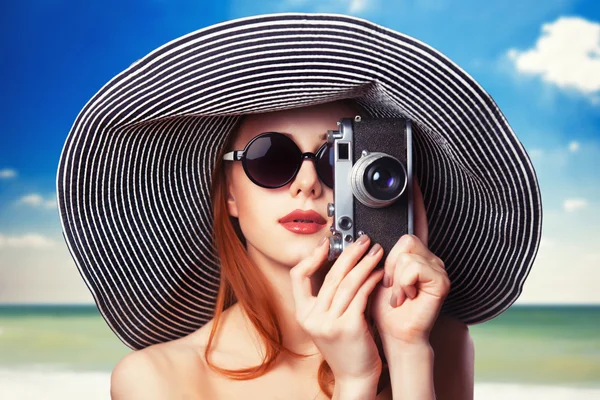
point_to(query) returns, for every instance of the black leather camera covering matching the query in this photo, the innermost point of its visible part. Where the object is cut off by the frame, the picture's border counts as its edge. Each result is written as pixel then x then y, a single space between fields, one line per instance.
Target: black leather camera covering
pixel 383 225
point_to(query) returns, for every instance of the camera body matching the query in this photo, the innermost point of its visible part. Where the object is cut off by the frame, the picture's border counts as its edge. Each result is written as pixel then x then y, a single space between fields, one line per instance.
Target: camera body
pixel 373 190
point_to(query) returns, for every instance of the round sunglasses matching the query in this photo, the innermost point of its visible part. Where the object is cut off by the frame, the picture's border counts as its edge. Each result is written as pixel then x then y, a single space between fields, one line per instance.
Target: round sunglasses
pixel 272 160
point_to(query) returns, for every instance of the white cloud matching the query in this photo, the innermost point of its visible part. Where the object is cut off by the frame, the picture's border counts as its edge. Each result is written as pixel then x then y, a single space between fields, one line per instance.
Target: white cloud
pixel 357 6
pixel 564 272
pixel 7 173
pixel 536 153
pixel 28 241
pixel 581 155
pixel 35 200
pixel 567 54
pixel 574 146
pixel 42 276
pixel 50 204
pixel 571 205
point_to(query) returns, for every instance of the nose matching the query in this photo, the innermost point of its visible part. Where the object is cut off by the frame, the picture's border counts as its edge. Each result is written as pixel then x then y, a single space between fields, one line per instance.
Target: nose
pixel 307 181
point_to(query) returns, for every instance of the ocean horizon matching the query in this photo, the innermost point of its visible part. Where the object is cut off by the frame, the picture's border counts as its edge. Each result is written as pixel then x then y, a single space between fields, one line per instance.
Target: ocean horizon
pixel 527 344
pixel 67 351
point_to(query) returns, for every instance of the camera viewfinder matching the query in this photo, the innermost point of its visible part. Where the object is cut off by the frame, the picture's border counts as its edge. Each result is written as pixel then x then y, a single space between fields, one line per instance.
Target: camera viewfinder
pixel 343 151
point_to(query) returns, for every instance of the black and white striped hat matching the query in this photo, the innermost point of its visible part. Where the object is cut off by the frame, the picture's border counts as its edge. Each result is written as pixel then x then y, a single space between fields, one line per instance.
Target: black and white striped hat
pixel 133 181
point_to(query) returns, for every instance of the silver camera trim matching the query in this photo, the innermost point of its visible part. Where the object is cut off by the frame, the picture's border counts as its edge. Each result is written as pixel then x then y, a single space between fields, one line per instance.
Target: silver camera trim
pixel 342 232
pixel 409 177
pixel 343 205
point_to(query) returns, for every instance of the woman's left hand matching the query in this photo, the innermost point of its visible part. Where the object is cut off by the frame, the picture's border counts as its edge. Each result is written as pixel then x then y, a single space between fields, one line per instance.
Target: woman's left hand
pixel 407 303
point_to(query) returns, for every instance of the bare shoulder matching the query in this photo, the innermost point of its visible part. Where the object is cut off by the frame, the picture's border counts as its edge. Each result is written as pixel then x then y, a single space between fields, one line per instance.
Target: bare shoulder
pixel 454 360
pixel 135 377
pixel 154 372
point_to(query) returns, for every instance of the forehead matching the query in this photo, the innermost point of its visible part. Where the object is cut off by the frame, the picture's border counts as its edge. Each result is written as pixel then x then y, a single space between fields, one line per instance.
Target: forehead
pixel 305 123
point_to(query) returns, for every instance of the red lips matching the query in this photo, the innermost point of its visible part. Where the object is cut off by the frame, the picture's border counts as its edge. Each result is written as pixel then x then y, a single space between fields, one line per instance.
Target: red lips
pixel 304 216
pixel 303 222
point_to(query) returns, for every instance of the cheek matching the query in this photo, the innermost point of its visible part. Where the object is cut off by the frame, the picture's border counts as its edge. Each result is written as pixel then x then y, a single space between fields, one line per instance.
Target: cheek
pixel 257 216
pixel 253 204
pixel 241 186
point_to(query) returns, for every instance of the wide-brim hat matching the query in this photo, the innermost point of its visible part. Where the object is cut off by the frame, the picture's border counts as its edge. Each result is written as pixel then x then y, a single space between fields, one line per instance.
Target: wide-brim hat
pixel 134 176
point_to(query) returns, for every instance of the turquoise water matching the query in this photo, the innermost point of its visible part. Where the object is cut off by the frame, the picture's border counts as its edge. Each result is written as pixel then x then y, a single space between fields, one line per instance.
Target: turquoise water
pixel 526 344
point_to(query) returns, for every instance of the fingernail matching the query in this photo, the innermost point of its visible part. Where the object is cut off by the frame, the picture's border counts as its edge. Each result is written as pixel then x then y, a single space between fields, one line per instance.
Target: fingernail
pixel 323 239
pixel 374 249
pixel 362 239
pixel 386 280
pixel 393 300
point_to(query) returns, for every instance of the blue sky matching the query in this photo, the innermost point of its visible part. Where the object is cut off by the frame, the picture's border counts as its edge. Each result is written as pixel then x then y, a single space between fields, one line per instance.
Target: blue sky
pixel 57 54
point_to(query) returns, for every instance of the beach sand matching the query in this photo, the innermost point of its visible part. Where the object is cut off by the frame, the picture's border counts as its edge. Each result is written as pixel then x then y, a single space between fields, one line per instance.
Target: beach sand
pixel 66 385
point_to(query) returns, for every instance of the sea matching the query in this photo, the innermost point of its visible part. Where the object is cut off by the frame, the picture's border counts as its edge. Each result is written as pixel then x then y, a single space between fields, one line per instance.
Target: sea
pixel 528 352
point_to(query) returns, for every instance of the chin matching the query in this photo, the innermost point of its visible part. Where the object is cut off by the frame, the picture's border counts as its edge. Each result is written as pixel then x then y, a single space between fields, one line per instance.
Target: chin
pixel 292 255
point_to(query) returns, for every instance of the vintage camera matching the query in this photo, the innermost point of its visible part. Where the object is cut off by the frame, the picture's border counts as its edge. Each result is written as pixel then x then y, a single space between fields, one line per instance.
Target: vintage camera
pixel 373 191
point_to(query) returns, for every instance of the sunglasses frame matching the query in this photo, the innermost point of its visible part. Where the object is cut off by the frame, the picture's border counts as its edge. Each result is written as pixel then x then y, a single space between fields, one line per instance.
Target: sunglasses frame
pixel 240 155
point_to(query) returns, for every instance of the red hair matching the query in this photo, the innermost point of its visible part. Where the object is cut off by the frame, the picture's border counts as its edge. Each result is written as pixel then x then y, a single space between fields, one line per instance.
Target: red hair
pixel 243 282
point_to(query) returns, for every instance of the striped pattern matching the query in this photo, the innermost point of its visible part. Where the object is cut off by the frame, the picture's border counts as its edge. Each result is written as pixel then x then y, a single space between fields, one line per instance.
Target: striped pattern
pixel 133 181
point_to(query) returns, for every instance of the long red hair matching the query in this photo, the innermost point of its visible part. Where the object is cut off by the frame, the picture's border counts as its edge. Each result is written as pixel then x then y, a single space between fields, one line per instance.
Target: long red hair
pixel 243 282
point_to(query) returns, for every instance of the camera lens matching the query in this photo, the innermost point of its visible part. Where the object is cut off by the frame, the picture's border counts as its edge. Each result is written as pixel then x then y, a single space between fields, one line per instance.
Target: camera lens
pixel 382 178
pixel 378 179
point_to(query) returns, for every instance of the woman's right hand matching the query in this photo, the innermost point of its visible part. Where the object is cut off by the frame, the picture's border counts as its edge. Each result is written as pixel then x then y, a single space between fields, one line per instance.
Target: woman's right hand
pixel 335 317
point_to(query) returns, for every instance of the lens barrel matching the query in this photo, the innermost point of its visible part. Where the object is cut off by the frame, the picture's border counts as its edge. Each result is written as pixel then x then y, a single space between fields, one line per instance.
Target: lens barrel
pixel 378 179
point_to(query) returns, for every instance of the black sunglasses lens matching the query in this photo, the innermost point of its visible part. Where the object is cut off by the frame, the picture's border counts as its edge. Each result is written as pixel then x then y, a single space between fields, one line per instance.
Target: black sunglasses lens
pixel 325 165
pixel 272 160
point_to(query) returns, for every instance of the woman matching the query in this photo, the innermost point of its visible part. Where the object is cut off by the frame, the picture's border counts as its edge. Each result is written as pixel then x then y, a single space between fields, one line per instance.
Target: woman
pixel 179 368
pixel 134 192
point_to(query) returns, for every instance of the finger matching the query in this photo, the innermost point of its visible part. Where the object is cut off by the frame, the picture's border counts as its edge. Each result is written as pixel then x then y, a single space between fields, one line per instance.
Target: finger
pixel 300 274
pixel 399 293
pixel 404 285
pixel 405 259
pixel 421 231
pixel 412 244
pixel 345 262
pixel 359 302
pixel 406 244
pixel 402 245
pixel 417 276
pixel 353 281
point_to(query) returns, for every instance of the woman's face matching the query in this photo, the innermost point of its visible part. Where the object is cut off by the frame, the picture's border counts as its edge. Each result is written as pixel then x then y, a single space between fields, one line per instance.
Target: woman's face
pixel 260 211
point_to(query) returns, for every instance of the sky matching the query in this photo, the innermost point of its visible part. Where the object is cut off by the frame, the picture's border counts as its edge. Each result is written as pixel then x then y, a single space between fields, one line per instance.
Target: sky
pixel 540 61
